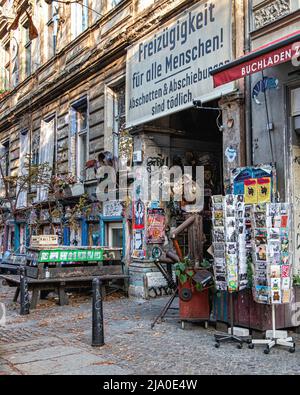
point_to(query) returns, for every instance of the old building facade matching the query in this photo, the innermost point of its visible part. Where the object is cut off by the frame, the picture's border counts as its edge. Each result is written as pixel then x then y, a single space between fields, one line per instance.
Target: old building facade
pixel 63 102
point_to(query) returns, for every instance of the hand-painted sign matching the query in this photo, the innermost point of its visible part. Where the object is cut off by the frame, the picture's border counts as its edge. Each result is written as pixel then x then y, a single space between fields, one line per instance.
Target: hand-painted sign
pixel 70 256
pixel 44 240
pixel 171 67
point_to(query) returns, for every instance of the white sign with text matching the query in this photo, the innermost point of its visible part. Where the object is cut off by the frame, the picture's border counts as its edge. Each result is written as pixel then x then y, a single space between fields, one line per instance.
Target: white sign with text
pixel 171 67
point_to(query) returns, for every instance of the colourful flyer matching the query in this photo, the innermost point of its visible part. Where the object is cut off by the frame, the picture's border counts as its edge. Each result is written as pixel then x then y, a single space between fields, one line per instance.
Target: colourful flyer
pixel 264 190
pixel 251 191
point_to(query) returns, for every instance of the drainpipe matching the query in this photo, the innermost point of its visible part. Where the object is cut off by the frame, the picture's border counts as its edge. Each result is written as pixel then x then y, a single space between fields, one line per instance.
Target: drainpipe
pixel 248 96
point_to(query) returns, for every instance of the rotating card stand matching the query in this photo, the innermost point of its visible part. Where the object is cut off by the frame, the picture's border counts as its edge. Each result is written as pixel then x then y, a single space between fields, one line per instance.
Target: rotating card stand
pixel 275 340
pixel 231 337
pixel 279 212
pixel 226 219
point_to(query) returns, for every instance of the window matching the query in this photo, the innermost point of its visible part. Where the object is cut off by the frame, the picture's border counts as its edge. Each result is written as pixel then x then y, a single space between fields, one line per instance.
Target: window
pixel 93 234
pixel 114 235
pixel 79 139
pixel 79 17
pixel 6 167
pixel 53 17
pixel 15 77
pixel 112 4
pixel 46 152
pixel 114 116
pixel 6 69
pixel 27 46
pixel 143 4
pixel 23 169
pixel 35 148
pixel 4 163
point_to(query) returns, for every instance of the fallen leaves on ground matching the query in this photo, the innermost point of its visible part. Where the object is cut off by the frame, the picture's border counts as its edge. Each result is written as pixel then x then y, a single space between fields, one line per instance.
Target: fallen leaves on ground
pixel 104 363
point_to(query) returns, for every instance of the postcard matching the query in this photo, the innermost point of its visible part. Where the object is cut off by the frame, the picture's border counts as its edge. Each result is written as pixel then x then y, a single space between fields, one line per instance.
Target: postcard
pixel 275 271
pixel 286 296
pixel 276 296
pixel 273 247
pixel 275 284
pixel 231 248
pixel 286 283
pixel 262 293
pixel 219 247
pixel 276 221
pixel 217 199
pixel 231 235
pixel 218 214
pixel 260 220
pixel 274 233
pixel 218 222
pixel 230 200
pixel 284 221
pixel 218 207
pixel 261 252
pixel 219 254
pixel 219 234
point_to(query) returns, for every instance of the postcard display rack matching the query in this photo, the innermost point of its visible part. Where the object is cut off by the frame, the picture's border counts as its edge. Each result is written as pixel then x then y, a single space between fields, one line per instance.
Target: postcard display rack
pixel 272 265
pixel 231 247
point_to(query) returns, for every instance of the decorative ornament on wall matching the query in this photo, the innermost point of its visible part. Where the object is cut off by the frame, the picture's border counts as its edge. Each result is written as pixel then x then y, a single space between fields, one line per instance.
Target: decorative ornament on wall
pixel 270 12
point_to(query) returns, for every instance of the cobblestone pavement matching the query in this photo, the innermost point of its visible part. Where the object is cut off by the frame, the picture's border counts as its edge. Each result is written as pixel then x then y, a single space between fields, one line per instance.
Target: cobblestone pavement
pixel 57 340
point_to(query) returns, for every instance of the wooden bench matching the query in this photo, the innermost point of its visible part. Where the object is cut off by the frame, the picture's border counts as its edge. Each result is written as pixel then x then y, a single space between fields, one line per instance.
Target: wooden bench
pixel 58 284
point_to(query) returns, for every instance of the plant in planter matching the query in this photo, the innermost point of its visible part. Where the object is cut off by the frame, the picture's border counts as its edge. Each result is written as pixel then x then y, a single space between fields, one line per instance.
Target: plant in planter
pixel 186 272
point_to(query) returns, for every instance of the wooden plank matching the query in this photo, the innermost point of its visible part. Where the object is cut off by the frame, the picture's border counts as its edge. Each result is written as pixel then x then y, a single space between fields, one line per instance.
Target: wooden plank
pixel 14 279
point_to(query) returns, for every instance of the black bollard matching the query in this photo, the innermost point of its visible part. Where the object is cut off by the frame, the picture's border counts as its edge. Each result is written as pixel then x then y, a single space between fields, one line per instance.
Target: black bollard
pixel 98 326
pixel 24 294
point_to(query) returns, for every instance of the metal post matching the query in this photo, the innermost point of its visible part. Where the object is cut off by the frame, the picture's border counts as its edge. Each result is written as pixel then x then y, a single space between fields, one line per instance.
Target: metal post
pixel 97 315
pixel 24 294
pixel 231 313
pixel 273 321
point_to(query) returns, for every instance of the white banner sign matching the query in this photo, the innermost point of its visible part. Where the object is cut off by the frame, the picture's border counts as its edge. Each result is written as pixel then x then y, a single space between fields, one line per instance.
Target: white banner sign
pixel 171 67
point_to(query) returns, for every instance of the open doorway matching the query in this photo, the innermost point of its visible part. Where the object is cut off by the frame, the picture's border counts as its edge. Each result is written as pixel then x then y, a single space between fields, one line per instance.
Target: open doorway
pixel 199 144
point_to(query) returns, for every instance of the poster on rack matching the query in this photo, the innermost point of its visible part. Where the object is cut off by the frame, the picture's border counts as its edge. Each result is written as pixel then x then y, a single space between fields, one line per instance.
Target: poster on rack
pixel 271 253
pixel 155 226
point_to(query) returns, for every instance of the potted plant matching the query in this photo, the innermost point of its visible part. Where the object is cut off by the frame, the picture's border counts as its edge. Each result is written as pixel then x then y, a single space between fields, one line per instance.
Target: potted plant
pixel 185 271
pixel 194 284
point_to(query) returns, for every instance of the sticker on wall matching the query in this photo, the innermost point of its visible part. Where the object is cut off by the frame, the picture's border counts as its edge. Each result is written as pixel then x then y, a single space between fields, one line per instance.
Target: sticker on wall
pixel 138 215
pixel 262 86
pixel 138 250
pixel 155 226
pixel 231 154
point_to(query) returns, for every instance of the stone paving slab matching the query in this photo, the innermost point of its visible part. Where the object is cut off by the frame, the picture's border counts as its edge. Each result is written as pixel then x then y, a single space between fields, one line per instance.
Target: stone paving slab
pixel 94 370
pixel 61 364
pixel 41 354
